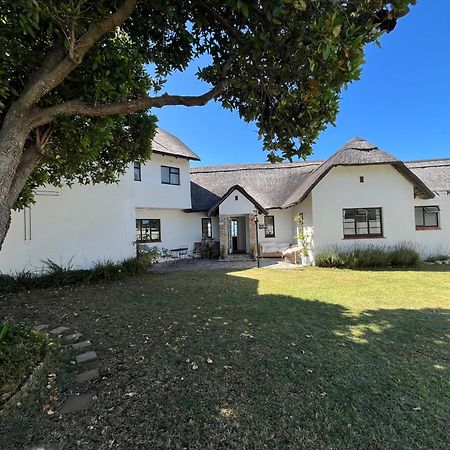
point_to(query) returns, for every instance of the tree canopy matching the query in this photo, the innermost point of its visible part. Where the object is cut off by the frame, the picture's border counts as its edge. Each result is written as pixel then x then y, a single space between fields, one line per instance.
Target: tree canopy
pixel 73 75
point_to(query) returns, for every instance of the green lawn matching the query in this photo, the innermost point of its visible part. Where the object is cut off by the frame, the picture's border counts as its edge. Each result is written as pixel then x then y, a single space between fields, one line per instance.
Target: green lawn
pixel 315 358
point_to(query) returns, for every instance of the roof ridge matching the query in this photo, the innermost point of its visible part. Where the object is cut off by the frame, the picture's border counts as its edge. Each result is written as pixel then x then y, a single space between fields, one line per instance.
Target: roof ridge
pixel 426 160
pixel 256 166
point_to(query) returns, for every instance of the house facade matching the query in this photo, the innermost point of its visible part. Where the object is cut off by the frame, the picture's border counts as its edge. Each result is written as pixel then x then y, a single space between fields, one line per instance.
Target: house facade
pixel 361 195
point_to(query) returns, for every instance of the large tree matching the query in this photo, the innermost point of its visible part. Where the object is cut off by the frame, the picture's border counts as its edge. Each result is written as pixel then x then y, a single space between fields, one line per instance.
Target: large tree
pixel 77 77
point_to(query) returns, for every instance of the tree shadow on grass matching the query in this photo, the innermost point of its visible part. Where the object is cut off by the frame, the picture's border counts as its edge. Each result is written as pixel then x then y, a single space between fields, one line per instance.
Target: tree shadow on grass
pixel 215 364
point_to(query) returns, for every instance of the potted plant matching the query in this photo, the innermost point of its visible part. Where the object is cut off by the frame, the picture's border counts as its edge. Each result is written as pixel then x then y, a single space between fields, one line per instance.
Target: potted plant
pixel 253 251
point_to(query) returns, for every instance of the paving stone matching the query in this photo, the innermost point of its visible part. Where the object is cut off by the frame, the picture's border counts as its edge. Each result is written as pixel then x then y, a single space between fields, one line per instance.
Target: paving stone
pixel 59 330
pixel 86 357
pixel 76 403
pixel 42 327
pixel 73 337
pixel 89 375
pixel 53 446
pixel 82 344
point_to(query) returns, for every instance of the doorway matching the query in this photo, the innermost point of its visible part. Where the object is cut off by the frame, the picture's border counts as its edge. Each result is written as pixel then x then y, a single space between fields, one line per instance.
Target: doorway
pixel 237 233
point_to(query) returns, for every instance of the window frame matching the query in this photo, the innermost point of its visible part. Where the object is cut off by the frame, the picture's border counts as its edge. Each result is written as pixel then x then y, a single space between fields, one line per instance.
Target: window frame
pixel 172 171
pixel 137 166
pixel 368 235
pixel 428 227
pixel 139 233
pixel 273 226
pixel 209 230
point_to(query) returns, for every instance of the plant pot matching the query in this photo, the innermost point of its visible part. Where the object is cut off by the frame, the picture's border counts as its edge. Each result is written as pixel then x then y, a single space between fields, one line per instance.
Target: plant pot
pixel 306 261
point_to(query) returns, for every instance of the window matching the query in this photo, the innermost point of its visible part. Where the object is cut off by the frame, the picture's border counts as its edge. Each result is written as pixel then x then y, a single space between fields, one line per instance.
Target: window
pixel 427 217
pixel 148 230
pixel 170 175
pixel 362 223
pixel 269 226
pixel 206 227
pixel 137 171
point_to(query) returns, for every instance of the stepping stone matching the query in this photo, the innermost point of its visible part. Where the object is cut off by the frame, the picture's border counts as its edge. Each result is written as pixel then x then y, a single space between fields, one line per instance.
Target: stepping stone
pixel 89 375
pixel 73 337
pixel 59 330
pixel 86 357
pixel 49 447
pixel 40 328
pixel 82 344
pixel 76 403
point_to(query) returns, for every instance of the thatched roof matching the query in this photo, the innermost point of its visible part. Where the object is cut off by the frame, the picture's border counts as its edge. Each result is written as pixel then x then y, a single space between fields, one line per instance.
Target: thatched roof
pixel 283 185
pixel 435 173
pixel 266 183
pixel 355 152
pixel 165 143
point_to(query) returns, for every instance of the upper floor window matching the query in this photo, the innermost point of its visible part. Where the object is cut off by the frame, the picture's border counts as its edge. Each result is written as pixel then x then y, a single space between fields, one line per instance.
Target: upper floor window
pixel 269 226
pixel 148 230
pixel 170 175
pixel 427 217
pixel 362 223
pixel 137 171
pixel 206 227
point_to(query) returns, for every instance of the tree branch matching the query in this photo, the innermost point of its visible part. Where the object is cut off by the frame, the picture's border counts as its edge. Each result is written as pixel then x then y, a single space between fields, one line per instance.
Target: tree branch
pixel 52 78
pixel 232 31
pixel 78 107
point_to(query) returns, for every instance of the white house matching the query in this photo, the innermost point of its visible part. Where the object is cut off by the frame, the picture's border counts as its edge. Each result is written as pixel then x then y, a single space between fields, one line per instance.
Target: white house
pixel 359 196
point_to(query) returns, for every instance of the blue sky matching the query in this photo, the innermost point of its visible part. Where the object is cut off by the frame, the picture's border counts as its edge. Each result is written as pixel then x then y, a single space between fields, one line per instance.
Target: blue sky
pixel 401 103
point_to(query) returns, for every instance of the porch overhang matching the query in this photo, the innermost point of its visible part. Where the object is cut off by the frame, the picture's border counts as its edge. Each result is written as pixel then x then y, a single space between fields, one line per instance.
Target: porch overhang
pixel 213 210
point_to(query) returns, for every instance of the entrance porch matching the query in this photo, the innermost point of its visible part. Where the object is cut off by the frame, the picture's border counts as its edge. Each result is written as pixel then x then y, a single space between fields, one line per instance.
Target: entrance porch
pixel 237 234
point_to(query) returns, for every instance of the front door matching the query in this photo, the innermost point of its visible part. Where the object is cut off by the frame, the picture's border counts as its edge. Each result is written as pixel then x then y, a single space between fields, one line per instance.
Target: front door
pixel 237 235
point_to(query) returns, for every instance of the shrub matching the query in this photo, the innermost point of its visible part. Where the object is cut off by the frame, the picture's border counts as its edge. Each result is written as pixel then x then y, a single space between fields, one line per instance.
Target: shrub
pixel 402 255
pixel 55 275
pixel 329 258
pixel 438 257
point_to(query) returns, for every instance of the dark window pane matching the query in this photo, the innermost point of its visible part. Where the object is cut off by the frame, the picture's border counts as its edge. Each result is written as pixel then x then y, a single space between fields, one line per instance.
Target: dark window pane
pixel 170 175
pixel 362 222
pixel 269 222
pixel 206 228
pixel 137 171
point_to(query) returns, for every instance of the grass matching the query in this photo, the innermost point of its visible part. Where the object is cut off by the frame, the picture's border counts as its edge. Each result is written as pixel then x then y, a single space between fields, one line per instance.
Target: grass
pixel 315 358
pixel 21 350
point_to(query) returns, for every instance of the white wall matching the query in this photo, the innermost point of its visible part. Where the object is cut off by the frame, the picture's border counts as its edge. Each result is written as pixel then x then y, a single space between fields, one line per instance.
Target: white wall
pixel 284 233
pixel 81 225
pixel 178 229
pixel 434 242
pixel 231 206
pixel 383 187
pixel 150 192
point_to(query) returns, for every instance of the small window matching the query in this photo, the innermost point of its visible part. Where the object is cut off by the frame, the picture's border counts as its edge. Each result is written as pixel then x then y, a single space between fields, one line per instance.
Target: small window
pixel 206 227
pixel 148 230
pixel 362 223
pixel 236 197
pixel 361 179
pixel 427 217
pixel 170 175
pixel 269 226
pixel 137 171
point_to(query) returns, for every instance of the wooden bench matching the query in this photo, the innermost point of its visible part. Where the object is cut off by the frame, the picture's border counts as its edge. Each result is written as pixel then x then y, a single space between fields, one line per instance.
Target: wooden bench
pixel 179 253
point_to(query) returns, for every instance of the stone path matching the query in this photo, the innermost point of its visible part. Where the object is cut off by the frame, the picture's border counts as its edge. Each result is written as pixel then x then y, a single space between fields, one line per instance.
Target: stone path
pixel 79 401
pixel 214 264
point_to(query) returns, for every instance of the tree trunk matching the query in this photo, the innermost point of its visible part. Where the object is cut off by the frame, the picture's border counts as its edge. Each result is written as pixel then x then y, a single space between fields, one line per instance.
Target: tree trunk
pixel 13 136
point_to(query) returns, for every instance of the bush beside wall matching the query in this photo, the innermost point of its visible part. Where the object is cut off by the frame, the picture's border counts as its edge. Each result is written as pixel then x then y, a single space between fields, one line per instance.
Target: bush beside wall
pixel 402 255
pixel 56 275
